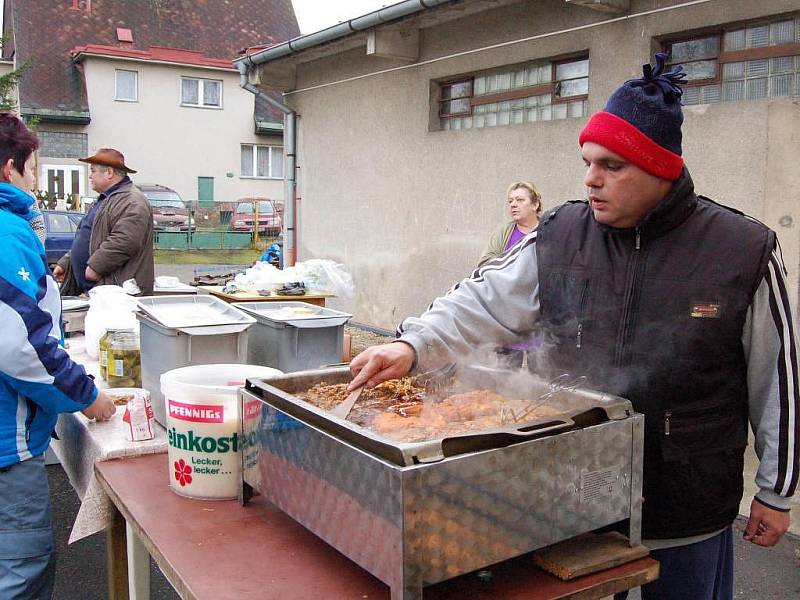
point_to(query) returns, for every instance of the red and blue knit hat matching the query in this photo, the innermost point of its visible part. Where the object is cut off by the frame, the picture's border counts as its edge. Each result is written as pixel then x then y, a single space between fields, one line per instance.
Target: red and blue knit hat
pixel 642 121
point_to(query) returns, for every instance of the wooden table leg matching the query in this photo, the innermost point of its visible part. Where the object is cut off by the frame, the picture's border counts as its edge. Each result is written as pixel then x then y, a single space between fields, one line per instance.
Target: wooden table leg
pixel 117 558
pixel 138 566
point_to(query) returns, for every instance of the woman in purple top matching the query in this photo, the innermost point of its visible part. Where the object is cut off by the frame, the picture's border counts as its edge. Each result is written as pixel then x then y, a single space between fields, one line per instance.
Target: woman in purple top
pixel 524 204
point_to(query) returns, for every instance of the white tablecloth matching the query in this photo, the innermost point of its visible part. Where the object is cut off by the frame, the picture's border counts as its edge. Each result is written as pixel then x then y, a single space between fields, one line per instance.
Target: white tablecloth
pixel 83 442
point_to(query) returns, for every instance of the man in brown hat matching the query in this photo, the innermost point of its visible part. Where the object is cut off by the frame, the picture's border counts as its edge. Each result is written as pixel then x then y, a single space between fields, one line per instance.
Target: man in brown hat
pixel 114 241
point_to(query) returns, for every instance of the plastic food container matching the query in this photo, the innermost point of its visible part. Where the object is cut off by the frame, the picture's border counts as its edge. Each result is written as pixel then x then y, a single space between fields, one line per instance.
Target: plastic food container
pixel 167 348
pixel 204 428
pixel 294 336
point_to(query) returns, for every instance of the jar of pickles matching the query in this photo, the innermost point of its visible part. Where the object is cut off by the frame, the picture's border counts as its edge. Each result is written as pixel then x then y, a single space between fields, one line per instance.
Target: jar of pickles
pixel 102 355
pixel 123 359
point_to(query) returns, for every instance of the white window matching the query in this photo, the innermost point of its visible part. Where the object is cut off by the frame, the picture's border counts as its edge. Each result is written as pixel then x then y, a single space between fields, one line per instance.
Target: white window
pixel 62 181
pixel 201 92
pixel 262 161
pixel 126 87
pixel 540 91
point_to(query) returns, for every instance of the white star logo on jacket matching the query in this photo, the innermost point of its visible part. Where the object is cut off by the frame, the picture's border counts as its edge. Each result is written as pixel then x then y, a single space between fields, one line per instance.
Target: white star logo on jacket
pixel 24 274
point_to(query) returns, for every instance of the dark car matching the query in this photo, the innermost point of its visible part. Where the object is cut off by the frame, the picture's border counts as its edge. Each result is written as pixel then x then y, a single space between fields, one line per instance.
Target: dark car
pixel 169 210
pixel 269 215
pixel 61 226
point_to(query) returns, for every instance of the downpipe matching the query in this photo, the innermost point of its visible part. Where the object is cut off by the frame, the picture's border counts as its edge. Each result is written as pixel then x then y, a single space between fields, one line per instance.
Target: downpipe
pixel 290 149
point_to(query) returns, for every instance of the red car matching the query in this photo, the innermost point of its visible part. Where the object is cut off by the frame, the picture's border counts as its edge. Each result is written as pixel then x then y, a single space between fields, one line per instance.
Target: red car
pixel 169 211
pixel 269 216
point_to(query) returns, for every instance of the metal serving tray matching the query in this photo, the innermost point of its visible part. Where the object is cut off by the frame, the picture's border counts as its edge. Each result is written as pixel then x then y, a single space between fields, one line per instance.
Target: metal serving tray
pixel 281 312
pixel 581 407
pixel 476 504
pixel 187 311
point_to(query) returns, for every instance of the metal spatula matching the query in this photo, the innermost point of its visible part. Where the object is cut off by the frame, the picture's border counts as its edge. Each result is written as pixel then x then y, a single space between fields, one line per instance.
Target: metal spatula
pixel 343 409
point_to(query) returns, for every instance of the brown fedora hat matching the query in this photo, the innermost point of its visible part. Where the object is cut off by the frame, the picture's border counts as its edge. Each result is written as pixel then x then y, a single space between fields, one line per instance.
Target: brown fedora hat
pixel 110 158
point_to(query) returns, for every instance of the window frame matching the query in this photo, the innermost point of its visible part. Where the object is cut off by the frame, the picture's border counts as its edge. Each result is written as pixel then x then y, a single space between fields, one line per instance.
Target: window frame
pixel 254 175
pixel 201 82
pixel 470 97
pixel 551 87
pixel 556 97
pixel 723 57
pixel 135 86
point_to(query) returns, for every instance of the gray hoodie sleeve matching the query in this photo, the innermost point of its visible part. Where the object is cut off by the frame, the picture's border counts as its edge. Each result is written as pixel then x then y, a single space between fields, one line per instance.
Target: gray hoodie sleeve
pixel 770 349
pixel 497 303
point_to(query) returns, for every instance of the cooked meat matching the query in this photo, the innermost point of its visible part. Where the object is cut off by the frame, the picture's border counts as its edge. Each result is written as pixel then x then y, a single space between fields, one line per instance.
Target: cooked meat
pixel 400 410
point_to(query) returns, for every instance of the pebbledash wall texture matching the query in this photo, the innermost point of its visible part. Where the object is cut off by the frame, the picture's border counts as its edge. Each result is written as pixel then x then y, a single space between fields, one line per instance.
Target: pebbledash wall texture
pixel 407 198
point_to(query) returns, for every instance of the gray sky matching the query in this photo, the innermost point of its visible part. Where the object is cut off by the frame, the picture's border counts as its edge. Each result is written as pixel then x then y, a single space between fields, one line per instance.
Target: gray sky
pixel 313 15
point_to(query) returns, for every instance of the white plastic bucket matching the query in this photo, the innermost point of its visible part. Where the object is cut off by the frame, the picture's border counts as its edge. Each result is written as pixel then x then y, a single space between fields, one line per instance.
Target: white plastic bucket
pixel 204 429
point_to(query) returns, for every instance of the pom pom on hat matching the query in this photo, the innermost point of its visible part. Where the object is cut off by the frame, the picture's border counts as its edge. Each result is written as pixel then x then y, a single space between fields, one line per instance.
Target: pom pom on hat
pixel 642 121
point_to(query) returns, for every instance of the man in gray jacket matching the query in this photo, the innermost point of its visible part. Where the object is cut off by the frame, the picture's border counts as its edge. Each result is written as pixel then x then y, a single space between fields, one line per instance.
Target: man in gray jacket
pixel 114 241
pixel 660 296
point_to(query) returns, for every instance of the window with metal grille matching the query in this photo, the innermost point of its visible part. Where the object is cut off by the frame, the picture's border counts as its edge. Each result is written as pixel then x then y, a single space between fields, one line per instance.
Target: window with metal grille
pixel 537 91
pixel 741 62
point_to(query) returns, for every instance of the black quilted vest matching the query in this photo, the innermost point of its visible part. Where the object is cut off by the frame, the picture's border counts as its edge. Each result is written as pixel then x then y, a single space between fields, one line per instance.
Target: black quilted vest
pixel 655 314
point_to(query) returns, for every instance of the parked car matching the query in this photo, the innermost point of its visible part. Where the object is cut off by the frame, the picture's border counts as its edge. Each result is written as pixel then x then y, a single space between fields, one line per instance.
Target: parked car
pixel 61 226
pixel 169 210
pixel 269 215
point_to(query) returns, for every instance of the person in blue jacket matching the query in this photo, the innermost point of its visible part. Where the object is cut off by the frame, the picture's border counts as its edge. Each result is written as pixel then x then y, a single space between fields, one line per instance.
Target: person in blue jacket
pixel 38 380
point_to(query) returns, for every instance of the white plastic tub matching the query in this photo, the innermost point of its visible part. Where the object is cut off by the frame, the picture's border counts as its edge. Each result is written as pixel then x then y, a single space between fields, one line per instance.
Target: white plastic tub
pixel 204 427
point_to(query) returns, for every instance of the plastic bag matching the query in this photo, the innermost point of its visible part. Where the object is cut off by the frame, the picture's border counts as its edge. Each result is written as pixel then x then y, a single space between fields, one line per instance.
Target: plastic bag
pixel 109 308
pixel 131 287
pixel 327 275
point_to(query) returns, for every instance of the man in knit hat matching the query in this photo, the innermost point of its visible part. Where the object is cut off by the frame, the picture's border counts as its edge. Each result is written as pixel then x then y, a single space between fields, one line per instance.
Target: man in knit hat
pixel 660 296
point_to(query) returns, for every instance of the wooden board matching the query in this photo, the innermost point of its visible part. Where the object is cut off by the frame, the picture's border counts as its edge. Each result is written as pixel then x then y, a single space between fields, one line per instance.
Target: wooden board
pixel 586 554
pixel 315 297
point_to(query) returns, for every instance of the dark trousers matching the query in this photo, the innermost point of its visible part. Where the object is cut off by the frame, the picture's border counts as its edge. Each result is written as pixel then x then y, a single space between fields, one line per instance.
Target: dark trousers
pixel 27 560
pixel 701 571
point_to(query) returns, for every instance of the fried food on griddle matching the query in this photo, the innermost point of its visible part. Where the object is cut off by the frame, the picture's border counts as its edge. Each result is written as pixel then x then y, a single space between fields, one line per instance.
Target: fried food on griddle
pixel 327 396
pixel 399 410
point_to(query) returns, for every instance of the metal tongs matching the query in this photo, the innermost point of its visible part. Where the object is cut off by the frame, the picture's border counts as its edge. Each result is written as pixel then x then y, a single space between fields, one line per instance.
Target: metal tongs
pixel 563 383
pixel 436 379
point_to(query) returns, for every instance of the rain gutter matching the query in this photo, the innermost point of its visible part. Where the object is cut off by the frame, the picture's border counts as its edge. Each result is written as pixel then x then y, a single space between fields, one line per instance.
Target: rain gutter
pixel 343 29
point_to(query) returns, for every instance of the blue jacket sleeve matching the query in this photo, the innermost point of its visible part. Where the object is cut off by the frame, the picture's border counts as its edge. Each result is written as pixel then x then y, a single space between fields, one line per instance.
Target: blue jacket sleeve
pixel 31 360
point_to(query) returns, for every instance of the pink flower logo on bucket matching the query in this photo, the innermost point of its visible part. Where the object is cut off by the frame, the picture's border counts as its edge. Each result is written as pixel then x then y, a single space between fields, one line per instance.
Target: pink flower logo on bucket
pixel 183 472
pixel 197 413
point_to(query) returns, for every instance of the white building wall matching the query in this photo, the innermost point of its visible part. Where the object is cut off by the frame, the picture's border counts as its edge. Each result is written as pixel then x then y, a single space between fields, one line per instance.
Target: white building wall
pixel 170 144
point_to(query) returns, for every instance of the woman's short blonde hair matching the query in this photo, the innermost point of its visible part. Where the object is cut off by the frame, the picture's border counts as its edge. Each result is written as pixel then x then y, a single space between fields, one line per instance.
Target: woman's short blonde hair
pixel 531 189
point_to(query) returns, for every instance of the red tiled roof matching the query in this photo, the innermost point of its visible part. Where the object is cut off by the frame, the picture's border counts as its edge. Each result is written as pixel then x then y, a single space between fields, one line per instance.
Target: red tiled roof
pixel 209 31
pixel 156 53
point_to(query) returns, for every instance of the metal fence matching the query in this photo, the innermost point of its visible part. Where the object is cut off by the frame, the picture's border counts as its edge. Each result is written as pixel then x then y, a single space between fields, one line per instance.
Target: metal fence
pixel 202 240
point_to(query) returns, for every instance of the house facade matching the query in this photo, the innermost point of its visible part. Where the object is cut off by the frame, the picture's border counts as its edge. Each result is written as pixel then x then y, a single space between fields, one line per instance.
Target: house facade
pixel 412 129
pixel 154 80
